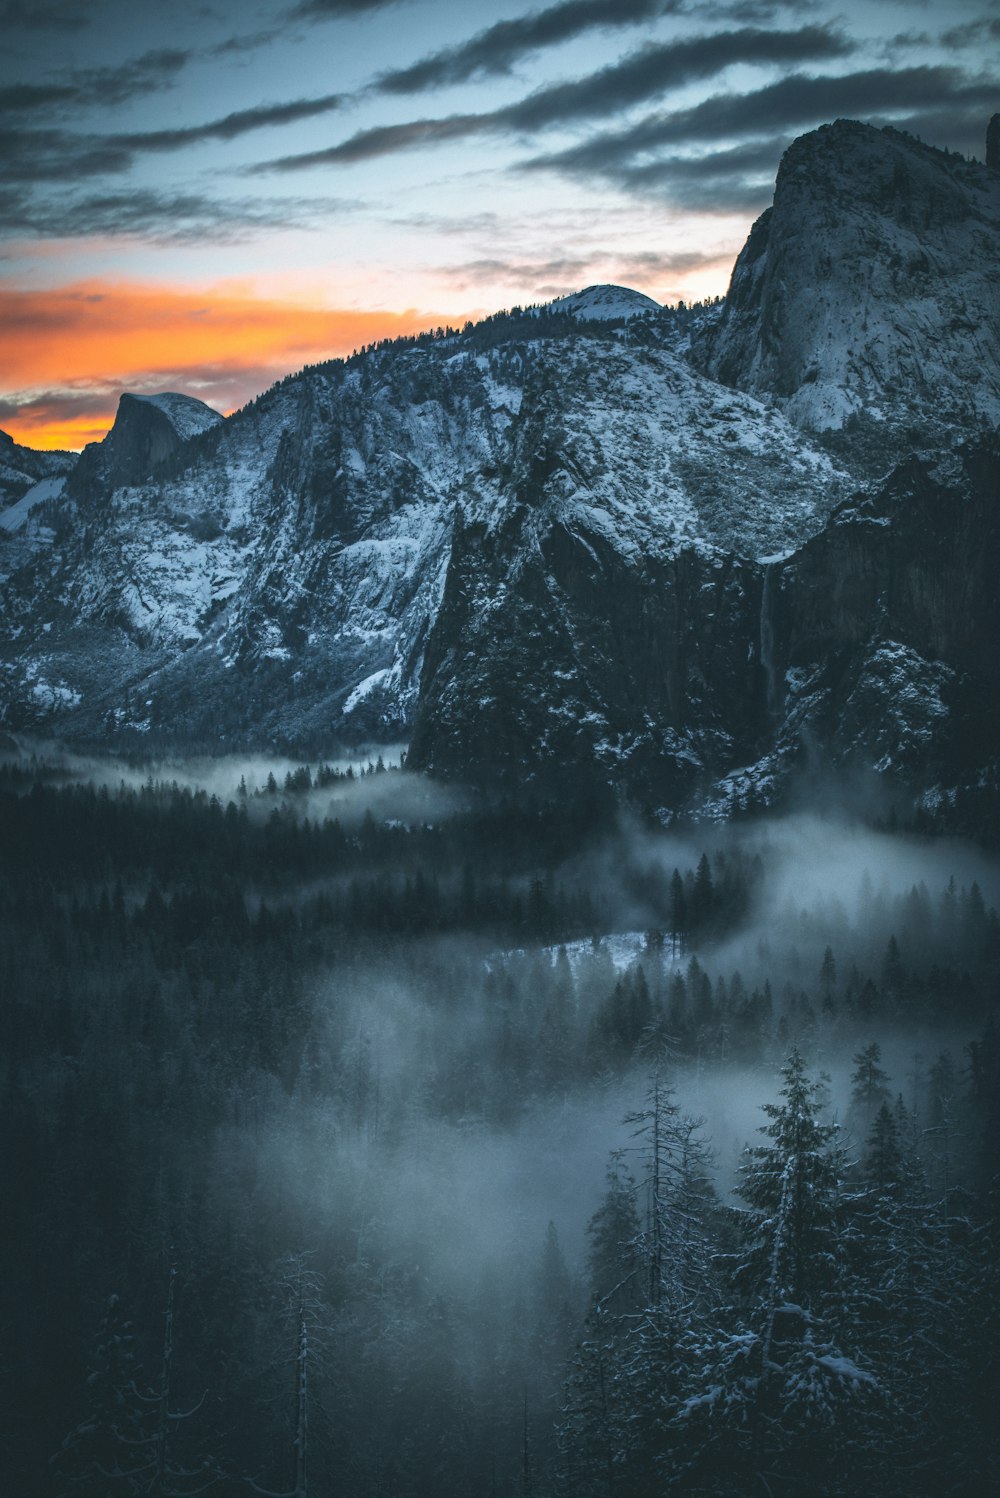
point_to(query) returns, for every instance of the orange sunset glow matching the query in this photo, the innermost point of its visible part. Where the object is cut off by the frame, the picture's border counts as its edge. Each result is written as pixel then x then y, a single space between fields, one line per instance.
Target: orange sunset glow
pixel 70 351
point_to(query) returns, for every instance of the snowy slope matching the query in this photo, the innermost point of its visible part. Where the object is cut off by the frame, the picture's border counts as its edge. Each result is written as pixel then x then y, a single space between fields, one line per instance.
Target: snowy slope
pixel 22 467
pixel 15 517
pixel 289 563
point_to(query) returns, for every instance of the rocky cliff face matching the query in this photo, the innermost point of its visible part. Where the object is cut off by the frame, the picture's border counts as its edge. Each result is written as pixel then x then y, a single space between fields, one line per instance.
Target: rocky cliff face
pixel 885 624
pixel 868 295
pixel 704 678
pixel 148 431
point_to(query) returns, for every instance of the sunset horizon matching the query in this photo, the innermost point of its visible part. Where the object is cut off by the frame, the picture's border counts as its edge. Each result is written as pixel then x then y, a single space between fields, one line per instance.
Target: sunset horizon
pixel 206 201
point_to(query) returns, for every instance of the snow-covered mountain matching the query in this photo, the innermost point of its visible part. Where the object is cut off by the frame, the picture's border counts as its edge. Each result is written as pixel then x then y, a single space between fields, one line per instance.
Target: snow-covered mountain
pixel 290 562
pixel 605 304
pixel 571 537
pixel 868 295
pixel 21 468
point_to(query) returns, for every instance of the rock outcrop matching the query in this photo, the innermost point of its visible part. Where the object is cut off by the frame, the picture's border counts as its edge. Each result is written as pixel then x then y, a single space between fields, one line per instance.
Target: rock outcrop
pixel 867 297
pixel 148 431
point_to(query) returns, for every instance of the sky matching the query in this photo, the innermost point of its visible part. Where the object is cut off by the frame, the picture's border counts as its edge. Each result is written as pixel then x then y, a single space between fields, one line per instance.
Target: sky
pixel 203 196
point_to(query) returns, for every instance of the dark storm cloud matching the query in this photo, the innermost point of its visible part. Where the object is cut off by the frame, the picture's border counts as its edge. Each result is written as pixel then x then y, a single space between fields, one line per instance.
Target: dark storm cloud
pixel 789 104
pixel 496 50
pixel 158 217
pixel 28 15
pixel 637 78
pixel 105 85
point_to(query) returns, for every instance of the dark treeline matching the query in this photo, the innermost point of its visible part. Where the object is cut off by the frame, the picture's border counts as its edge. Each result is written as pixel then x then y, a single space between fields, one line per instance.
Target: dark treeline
pixel 301 1115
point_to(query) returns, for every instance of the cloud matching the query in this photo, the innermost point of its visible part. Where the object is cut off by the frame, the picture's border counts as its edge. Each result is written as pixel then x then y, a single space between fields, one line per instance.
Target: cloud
pixel 31 16
pixel 159 217
pixel 496 50
pixel 18 97
pixel 90 86
pixel 35 156
pixel 971 34
pixel 654 70
pixel 231 126
pixel 71 350
pixel 636 78
pixel 335 10
pixel 740 180
pixel 555 275
pixel 46 156
pixel 789 104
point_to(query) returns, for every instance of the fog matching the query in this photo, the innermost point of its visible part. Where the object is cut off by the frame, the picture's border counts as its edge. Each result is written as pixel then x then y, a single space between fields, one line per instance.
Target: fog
pixel 400 1044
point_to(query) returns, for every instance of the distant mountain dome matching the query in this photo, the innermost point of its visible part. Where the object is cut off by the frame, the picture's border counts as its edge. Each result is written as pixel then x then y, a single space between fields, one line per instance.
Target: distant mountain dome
pixel 187 415
pixel 605 303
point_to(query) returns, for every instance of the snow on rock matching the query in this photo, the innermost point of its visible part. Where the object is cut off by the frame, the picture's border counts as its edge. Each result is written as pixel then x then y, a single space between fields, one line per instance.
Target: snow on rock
pixel 870 292
pixel 550 540
pixel 16 516
pixel 187 415
pixel 605 304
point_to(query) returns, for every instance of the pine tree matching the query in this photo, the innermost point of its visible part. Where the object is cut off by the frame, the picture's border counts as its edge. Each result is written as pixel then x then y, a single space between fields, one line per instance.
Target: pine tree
pixel 778 1395
pixel 869 1085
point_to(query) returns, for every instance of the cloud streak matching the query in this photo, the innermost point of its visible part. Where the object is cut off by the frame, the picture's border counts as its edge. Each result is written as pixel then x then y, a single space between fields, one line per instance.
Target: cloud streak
pixel 160 217
pixel 336 10
pixel 643 75
pixel 496 50
pixel 35 157
pixel 98 86
pixel 634 154
pixel 27 15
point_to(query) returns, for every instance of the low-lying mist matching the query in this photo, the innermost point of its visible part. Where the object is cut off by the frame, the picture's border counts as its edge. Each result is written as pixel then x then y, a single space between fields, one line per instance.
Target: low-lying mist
pixel 265 1014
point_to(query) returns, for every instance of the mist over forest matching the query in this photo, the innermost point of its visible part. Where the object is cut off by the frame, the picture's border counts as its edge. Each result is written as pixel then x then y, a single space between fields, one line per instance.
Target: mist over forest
pixel 366 1136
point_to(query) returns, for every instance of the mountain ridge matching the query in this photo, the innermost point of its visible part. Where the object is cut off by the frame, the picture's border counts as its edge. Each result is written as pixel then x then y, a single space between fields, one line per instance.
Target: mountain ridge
pixel 357 553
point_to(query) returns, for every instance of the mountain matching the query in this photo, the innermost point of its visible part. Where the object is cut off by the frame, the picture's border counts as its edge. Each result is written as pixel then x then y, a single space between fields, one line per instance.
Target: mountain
pixel 714 674
pixel 21 468
pixel 277 576
pixel 867 297
pixel 605 304
pixel 598 541
pixel 147 432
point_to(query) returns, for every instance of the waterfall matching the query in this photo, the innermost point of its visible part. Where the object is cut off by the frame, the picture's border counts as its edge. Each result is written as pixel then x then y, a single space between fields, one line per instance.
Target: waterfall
pixel 766 640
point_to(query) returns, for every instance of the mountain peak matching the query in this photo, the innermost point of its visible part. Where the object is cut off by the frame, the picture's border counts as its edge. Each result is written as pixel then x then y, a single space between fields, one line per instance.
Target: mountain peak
pixel 867 292
pixel 605 303
pixel 147 431
pixel 186 414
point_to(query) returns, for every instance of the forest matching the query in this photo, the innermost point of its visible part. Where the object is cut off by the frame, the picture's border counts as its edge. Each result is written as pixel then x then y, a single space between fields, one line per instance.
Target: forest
pixel 365 1137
